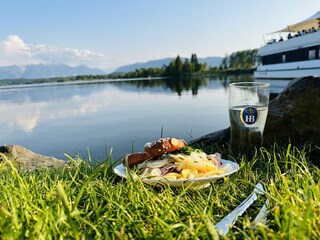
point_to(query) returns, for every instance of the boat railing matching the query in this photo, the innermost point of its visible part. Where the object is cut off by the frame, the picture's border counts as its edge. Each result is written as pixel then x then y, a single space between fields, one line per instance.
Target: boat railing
pixel 291 44
pixel 290 37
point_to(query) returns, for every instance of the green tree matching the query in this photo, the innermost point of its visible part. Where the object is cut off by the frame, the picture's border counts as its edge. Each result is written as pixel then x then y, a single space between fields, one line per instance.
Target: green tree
pixel 224 62
pixel 240 60
pixel 195 62
pixel 178 65
pixel 187 67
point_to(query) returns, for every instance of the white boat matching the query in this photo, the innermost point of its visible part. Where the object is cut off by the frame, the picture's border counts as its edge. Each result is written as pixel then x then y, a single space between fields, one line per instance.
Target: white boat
pixel 294 57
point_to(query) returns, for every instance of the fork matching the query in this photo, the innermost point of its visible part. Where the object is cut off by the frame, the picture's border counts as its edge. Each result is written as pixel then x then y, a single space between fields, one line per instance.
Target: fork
pixel 228 221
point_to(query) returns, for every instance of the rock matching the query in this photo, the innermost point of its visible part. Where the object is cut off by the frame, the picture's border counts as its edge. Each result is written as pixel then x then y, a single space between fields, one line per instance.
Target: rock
pixel 293 117
pixel 219 138
pixel 295 114
pixel 29 160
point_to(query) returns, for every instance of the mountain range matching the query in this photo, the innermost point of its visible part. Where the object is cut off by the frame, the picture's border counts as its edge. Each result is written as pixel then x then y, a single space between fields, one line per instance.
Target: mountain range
pixel 46 71
pixel 211 61
pixel 34 71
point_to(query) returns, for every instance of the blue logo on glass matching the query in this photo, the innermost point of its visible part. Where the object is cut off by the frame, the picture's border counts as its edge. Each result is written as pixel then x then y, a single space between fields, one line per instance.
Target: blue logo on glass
pixel 249 115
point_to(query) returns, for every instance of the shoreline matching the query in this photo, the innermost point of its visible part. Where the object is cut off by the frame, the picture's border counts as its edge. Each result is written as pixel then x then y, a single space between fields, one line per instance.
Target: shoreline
pixel 76 82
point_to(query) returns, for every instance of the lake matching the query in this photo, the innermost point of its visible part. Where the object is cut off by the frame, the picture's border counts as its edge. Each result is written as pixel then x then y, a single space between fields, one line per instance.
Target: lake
pixel 95 117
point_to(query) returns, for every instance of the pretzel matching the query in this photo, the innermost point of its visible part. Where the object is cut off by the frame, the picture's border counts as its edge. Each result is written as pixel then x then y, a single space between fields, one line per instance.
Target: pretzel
pixel 135 158
pixel 163 145
pixel 153 150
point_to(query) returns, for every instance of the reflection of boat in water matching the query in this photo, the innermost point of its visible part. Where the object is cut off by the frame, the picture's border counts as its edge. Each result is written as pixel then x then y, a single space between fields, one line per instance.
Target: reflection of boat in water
pixel 276 85
pixel 296 56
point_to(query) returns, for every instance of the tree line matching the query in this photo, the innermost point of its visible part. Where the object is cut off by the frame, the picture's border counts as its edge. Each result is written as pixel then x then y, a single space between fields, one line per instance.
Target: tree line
pixel 236 62
pixel 240 60
pixel 176 68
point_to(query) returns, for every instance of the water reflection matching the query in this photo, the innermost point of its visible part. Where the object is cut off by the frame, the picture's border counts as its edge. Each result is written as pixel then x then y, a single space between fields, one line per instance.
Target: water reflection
pixel 25 114
pixel 54 120
pixel 192 84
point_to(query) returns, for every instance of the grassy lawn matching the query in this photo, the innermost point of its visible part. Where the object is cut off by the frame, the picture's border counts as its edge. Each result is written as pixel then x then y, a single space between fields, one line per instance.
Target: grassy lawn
pixel 90 202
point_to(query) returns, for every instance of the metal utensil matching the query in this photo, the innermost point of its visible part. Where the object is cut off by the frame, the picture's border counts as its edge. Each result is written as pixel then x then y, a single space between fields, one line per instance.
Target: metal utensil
pixel 262 215
pixel 228 221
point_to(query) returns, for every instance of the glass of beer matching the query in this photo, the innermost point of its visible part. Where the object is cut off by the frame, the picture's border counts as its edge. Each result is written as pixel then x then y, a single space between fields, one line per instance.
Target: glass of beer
pixel 248 109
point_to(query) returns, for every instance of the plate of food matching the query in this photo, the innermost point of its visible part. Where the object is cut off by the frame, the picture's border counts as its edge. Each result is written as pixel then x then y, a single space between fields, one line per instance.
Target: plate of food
pixel 169 161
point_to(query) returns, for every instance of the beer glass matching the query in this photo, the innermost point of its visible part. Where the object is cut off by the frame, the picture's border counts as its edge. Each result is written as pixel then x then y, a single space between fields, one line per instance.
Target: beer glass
pixel 248 109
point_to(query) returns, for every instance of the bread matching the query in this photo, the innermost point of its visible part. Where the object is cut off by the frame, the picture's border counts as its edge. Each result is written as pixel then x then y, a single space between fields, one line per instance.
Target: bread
pixel 135 158
pixel 153 150
pixel 162 146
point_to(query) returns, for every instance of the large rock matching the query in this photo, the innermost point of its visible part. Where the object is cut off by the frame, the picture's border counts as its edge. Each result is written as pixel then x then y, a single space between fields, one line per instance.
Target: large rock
pixel 293 117
pixel 29 160
pixel 295 114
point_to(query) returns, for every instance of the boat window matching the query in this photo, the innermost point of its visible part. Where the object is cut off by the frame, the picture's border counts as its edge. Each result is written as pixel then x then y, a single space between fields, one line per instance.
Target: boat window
pixel 312 54
pixel 283 57
pixel 301 54
pixel 297 55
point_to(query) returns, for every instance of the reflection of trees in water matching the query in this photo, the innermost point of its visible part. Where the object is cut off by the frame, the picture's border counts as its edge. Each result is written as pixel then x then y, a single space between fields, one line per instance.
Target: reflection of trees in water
pixel 226 79
pixel 187 84
pixel 193 84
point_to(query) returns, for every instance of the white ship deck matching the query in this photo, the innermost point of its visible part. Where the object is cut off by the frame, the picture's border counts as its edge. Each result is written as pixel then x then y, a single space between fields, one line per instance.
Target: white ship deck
pixel 304 41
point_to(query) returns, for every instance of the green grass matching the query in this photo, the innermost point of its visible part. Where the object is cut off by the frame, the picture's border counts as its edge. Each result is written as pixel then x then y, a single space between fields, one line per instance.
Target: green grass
pixel 89 202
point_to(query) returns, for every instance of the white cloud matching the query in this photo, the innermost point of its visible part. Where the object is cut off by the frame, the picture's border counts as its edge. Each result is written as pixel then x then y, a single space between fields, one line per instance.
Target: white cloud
pixel 14 45
pixel 15 51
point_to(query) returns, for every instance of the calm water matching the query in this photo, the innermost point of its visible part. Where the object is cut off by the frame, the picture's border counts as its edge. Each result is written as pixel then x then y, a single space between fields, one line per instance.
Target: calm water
pixel 70 119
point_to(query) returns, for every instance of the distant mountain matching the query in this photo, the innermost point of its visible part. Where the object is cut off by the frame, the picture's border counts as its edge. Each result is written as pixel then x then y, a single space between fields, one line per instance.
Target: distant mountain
pixel 153 63
pixel 11 72
pixel 211 61
pixel 46 71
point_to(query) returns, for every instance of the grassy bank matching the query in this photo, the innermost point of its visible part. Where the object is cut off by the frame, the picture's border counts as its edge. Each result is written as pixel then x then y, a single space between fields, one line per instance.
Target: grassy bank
pixel 86 202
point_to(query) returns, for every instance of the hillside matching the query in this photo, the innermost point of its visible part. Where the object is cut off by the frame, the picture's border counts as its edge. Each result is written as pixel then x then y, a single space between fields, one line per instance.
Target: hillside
pixel 211 61
pixel 46 71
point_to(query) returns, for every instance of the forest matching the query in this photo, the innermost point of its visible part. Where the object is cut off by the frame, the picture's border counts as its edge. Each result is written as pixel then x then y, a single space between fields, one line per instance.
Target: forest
pixel 237 62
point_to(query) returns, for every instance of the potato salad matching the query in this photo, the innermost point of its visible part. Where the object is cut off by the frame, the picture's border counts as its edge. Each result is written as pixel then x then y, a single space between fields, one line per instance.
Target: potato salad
pixel 187 163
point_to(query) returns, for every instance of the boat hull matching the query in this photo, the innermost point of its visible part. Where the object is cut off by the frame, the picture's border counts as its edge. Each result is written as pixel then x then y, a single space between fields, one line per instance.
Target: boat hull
pixel 289 70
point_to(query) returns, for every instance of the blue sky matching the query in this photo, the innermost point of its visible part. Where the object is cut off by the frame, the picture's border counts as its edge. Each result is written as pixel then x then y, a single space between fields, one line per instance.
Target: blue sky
pixel 110 33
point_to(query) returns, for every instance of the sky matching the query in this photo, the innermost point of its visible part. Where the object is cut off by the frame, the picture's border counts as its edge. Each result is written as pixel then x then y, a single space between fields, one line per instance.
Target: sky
pixel 107 34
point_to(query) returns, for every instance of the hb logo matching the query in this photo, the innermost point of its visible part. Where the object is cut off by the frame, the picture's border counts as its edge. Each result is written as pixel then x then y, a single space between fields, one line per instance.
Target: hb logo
pixel 249 115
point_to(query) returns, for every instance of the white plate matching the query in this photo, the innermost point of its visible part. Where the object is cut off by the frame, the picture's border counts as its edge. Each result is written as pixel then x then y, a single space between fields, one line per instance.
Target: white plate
pixel 202 182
